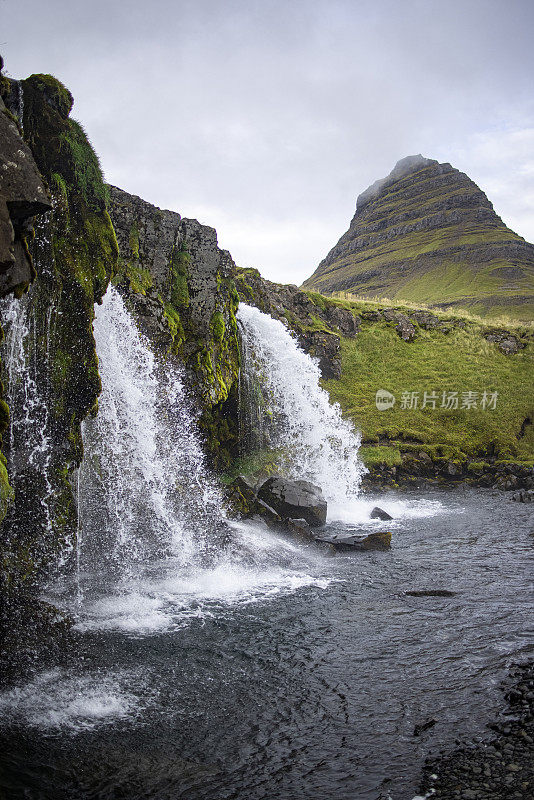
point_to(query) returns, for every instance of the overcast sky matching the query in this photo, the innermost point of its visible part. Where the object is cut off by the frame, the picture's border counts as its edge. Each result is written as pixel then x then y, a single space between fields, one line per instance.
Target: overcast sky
pixel 266 119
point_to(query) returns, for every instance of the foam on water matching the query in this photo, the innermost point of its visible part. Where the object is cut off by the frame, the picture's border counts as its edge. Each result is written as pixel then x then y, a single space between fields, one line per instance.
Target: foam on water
pixel 56 699
pixel 357 510
pixel 259 566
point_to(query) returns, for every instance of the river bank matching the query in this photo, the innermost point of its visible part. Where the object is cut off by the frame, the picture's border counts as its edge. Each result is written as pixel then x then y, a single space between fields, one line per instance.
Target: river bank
pixel 500 767
pixel 418 470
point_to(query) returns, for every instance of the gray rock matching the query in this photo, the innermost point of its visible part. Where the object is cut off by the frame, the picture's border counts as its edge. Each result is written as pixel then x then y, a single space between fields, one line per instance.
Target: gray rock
pixel 354 543
pixel 523 496
pixel 425 319
pixel 300 528
pixel 294 500
pixel 507 342
pixel 344 320
pixel 379 513
pixel 22 196
pixel 326 347
pixel 404 328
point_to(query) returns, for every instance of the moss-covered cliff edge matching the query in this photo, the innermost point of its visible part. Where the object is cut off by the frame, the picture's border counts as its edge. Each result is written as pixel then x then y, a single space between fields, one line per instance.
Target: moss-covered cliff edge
pixel 74 252
pixel 180 285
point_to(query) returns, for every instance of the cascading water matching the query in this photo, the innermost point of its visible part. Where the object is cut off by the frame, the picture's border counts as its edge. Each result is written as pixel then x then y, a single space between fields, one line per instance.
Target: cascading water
pixel 316 442
pixel 28 440
pixel 143 489
pixel 154 545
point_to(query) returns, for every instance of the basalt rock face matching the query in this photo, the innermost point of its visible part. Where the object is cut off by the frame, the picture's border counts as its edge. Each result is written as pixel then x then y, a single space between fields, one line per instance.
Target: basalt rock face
pixel 317 322
pixel 180 286
pixel 50 368
pixel 428 234
pixel 22 196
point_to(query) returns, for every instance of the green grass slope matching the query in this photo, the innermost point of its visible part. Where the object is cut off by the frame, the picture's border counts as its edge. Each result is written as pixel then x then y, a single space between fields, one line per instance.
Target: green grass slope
pixel 461 361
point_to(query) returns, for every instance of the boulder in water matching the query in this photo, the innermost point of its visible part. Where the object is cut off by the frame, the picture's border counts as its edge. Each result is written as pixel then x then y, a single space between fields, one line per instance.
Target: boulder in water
pixel 343 543
pixel 241 495
pixel 295 500
pixel 379 513
pixel 300 528
pixel 523 496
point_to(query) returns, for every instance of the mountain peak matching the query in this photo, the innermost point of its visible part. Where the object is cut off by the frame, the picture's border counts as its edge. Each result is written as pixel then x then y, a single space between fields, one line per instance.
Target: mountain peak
pixel 403 167
pixel 427 233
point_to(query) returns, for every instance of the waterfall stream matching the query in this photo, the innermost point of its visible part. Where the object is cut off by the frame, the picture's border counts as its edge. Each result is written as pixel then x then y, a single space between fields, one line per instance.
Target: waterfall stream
pixel 316 443
pixel 143 481
pixel 28 440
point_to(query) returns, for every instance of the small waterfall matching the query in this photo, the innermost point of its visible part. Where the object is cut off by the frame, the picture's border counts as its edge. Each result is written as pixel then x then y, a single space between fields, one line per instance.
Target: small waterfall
pixel 319 445
pixel 252 432
pixel 144 493
pixel 27 443
pixel 20 104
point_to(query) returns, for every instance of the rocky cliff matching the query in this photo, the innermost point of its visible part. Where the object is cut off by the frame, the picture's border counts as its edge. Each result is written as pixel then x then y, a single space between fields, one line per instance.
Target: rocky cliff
pixel 50 366
pixel 180 285
pixel 427 234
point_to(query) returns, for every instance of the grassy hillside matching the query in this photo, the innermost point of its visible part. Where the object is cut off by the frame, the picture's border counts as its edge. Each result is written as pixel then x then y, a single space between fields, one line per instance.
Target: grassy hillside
pixel 462 361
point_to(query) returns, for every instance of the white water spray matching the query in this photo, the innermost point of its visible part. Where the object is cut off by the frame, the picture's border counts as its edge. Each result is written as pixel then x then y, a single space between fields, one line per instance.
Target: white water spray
pixel 29 437
pixel 143 490
pixel 317 443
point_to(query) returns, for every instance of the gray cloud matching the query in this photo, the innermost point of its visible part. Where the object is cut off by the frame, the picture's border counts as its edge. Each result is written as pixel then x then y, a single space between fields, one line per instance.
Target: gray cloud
pixel 267 119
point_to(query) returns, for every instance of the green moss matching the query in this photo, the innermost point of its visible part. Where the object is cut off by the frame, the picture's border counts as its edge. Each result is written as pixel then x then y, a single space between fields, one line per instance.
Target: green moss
pixel 178 272
pixel 58 186
pixel 477 466
pixel 217 326
pixel 139 279
pixel 175 326
pixel 260 463
pixel 54 91
pixel 6 492
pixel 373 456
pixel 134 242
pixel 87 171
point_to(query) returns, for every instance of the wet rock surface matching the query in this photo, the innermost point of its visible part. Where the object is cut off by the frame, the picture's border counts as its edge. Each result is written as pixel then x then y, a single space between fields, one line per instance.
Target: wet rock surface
pixel 523 496
pixel 22 196
pixel 380 540
pixel 379 513
pixel 499 768
pixel 295 500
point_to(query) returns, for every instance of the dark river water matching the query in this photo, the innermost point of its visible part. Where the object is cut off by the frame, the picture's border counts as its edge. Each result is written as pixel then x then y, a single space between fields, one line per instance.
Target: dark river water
pixel 289 677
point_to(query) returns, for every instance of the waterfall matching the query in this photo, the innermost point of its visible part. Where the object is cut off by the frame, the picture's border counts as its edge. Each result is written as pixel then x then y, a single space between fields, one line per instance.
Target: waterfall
pixel 154 546
pixel 316 442
pixel 144 493
pixel 28 441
